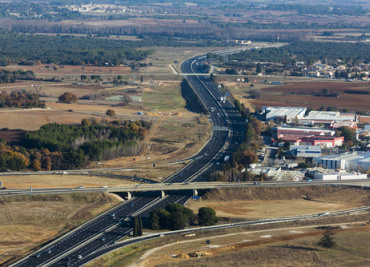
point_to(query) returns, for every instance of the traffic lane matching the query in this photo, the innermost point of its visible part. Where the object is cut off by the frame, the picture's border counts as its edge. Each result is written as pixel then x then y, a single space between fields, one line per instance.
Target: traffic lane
pixel 94 227
pixel 77 258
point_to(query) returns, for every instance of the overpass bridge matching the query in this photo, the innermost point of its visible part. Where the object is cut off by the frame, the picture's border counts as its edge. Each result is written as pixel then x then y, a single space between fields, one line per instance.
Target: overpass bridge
pixel 163 188
pixel 195 186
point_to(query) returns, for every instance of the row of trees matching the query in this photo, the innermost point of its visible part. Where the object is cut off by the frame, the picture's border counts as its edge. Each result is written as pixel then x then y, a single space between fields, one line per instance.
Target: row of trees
pixel 175 217
pixel 7 76
pixel 20 100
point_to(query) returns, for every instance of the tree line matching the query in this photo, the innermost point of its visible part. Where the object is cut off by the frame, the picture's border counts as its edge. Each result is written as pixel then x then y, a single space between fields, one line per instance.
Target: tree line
pixel 176 217
pixel 7 76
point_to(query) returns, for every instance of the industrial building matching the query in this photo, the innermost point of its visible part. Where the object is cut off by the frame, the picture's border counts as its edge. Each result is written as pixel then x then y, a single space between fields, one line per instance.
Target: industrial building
pixel 288 114
pixel 348 161
pixel 339 176
pixel 279 132
pixel 327 118
pixel 305 151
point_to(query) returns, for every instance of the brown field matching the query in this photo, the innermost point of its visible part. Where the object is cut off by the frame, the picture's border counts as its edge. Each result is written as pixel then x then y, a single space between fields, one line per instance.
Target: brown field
pixel 278 202
pixel 31 120
pixel 287 245
pixel 294 247
pixel 300 94
pixel 55 181
pixel 267 209
pixel 29 221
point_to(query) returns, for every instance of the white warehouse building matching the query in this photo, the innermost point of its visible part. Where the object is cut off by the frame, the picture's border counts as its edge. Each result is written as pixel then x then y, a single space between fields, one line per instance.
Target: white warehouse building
pixel 290 113
pixel 338 176
pixel 353 161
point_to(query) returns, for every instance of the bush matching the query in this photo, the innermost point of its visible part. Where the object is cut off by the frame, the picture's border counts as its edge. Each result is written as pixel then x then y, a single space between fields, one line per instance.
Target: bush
pixel 207 216
pixel 110 112
pixel 327 241
pixel 67 98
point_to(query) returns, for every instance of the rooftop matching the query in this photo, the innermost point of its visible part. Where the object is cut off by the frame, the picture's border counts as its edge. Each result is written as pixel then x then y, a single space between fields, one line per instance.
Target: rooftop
pixel 290 112
pixel 365 156
pixel 329 116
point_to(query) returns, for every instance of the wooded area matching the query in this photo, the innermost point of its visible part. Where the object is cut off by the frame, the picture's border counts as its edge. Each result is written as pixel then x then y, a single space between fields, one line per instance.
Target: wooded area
pixel 27 49
pixel 58 146
pixel 20 100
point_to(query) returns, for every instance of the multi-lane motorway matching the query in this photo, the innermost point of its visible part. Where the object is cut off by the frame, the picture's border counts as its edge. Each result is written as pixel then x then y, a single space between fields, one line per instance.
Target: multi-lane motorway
pixel 74 248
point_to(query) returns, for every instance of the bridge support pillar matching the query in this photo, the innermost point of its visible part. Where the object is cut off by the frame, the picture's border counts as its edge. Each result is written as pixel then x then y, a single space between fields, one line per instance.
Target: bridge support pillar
pixel 129 196
pixel 195 192
pixel 163 194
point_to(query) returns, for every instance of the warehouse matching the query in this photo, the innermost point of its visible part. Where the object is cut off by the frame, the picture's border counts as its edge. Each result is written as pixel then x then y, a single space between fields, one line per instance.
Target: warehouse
pixel 353 161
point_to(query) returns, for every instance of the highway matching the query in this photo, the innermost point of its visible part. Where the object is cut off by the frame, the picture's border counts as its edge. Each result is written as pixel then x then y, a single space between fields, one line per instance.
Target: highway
pixel 228 133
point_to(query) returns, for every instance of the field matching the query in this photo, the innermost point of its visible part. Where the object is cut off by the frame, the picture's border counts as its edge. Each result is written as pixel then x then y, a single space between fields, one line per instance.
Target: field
pixel 29 221
pixel 257 203
pixel 286 245
pixel 303 94
pixel 55 181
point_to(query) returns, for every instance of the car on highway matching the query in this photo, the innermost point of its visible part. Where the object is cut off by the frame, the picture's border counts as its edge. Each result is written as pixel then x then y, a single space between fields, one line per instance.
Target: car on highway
pixel 81 187
pixel 79 257
pixel 323 214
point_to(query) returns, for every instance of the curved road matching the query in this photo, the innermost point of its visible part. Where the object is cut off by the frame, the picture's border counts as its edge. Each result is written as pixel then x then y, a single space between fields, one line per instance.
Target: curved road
pixel 228 132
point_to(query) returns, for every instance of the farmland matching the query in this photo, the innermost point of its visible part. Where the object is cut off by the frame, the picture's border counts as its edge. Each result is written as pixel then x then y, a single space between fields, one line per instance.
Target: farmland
pixel 303 94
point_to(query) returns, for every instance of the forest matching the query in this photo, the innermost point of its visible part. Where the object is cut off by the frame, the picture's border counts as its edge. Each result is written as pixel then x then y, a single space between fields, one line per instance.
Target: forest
pixel 308 52
pixel 58 146
pixel 28 49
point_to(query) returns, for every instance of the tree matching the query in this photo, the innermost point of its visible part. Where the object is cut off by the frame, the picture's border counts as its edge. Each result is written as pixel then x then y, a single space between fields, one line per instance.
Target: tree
pixel 83 77
pixel 259 68
pixel 348 133
pixel 207 216
pixel 110 112
pixel 136 227
pixel 36 165
pixel 327 241
pixel 140 227
pixel 85 122
pixel 67 98
pixel 154 220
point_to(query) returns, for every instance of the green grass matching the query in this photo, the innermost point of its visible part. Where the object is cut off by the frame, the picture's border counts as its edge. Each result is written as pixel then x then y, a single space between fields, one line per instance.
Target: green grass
pixel 164 98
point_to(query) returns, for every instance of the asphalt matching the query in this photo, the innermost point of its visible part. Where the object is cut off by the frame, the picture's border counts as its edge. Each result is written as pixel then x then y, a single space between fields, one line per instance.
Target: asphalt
pixel 78 246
